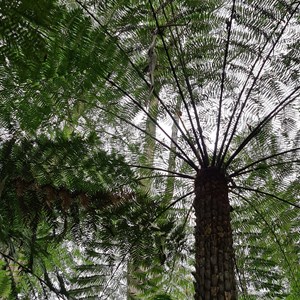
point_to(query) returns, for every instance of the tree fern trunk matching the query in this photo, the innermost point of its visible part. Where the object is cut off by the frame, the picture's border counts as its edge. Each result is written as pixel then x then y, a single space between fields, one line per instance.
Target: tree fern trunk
pixel 214 274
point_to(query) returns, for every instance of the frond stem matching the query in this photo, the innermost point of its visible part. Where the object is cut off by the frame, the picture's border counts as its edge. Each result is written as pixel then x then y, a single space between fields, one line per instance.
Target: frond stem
pixel 240 171
pixel 143 78
pixel 163 170
pixel 257 129
pixel 252 85
pixel 184 157
pixel 229 30
pixel 266 194
pixel 186 138
pixel 202 145
pixel 159 176
pixel 271 165
pixel 271 230
pixel 172 204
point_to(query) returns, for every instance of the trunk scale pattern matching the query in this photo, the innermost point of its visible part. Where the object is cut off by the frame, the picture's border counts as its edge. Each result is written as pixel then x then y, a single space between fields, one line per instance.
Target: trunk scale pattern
pixel 214 263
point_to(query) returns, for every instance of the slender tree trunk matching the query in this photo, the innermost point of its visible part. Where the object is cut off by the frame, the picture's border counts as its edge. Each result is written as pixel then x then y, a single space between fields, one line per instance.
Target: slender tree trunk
pixel 170 184
pixel 148 160
pixel 149 142
pixel 214 263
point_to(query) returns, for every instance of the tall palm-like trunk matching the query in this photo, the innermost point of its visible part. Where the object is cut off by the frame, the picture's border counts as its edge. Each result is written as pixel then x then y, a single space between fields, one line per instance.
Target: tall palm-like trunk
pixel 214 263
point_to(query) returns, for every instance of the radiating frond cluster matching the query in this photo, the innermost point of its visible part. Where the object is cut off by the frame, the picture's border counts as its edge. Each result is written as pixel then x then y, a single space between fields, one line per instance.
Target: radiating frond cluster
pixel 108 111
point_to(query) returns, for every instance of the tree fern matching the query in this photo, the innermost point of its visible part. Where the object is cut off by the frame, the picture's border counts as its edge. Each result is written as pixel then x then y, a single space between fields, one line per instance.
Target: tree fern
pixel 232 64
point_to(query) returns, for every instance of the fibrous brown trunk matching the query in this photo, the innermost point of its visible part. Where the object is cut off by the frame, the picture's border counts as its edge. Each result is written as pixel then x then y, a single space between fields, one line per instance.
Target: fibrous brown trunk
pixel 214 263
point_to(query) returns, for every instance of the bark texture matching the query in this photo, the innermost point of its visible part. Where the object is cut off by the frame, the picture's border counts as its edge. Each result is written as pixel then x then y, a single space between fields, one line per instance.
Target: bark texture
pixel 214 274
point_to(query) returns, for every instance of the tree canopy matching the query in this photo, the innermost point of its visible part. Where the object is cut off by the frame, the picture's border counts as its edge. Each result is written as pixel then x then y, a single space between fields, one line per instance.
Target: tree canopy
pixel 110 113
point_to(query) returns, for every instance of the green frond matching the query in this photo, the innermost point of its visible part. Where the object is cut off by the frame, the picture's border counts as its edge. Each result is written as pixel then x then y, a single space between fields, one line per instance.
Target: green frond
pixel 108 111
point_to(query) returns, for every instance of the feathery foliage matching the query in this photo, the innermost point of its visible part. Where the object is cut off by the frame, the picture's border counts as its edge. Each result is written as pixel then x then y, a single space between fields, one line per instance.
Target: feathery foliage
pixel 84 80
